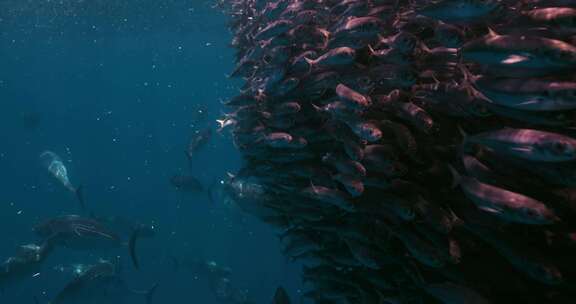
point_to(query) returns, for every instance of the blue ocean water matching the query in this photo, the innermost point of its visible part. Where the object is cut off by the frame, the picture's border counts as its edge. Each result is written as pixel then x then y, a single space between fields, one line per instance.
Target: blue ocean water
pixel 116 88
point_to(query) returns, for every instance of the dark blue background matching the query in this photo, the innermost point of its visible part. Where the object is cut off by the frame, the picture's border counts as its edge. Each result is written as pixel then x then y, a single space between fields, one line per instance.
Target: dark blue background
pixel 116 85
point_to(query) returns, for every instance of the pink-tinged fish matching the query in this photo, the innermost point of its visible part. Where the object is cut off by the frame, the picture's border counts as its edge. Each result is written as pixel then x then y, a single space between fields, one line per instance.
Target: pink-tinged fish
pixel 413 114
pixel 507 205
pixel 561 19
pixel 344 165
pixel 367 131
pixel 291 107
pixel 353 98
pixel 532 54
pixel 334 58
pixel 361 27
pixel 274 29
pixel 390 56
pixel 354 185
pixel 529 94
pixel 528 144
pixel 284 140
pixel 403 41
pixel 329 196
pixel 339 110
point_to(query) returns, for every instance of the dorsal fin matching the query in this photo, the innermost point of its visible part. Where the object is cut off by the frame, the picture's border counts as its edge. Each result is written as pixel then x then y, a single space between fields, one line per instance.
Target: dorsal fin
pixel 492 32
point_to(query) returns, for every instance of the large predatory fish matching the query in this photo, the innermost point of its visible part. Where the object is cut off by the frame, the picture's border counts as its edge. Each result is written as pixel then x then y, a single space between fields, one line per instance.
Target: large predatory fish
pixel 190 184
pixel 76 232
pixel 27 262
pixel 99 284
pixel 198 140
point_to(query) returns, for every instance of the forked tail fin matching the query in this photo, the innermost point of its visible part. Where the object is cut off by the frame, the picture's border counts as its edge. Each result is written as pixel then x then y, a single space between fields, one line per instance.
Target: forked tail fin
pixel 150 293
pixel 189 160
pixel 132 247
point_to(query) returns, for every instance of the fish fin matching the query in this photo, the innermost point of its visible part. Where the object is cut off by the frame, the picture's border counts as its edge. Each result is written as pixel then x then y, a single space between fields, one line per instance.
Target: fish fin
pixel 455 175
pixel 424 47
pixel 150 293
pixel 79 192
pixel 132 247
pixel 465 140
pixel 462 132
pixel 189 159
pixel 492 32
pixel 313 187
pixel 310 63
pixel 317 108
pixel 371 50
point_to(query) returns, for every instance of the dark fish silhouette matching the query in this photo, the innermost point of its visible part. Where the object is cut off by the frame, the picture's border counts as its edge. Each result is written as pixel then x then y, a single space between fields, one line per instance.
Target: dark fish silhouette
pixel 101 283
pixel 281 296
pixel 27 262
pixel 190 184
pixel 198 141
pixel 76 232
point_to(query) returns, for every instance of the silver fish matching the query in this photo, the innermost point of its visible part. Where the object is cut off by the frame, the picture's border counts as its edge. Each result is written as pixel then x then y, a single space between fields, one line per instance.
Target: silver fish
pixel 528 144
pixel 506 205
pixel 529 94
pixel 526 52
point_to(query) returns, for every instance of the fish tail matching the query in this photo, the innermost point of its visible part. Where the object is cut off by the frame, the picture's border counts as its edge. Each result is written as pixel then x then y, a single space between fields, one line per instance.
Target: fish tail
pixel 455 177
pixel 132 247
pixel 465 145
pixel 189 159
pixel 150 293
pixel 79 192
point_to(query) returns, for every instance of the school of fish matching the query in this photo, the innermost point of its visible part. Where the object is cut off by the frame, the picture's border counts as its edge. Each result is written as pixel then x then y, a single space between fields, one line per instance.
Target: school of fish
pixel 411 151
